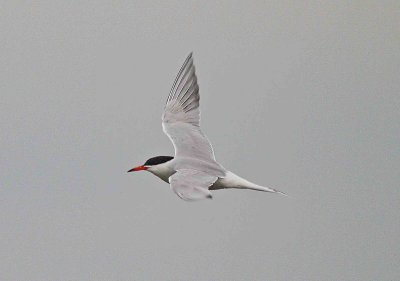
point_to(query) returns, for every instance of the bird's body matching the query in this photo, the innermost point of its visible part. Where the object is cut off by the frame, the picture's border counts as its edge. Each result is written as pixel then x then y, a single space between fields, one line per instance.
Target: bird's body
pixel 193 172
pixel 229 180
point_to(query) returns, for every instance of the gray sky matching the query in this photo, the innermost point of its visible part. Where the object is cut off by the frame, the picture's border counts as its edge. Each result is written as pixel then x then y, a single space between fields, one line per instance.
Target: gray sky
pixel 299 96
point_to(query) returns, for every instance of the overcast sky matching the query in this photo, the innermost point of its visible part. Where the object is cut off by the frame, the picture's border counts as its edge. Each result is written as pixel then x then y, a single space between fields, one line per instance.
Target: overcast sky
pixel 301 96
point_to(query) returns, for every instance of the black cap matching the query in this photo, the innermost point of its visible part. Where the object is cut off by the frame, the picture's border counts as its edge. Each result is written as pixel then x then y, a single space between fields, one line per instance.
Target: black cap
pixel 158 160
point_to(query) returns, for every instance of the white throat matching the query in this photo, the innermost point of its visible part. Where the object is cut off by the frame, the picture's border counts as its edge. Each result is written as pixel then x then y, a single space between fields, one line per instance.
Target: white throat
pixel 163 171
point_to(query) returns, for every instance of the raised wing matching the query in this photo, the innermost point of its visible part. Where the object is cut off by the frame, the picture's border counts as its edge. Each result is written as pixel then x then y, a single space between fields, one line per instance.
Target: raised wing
pixel 181 117
pixel 183 100
pixel 191 185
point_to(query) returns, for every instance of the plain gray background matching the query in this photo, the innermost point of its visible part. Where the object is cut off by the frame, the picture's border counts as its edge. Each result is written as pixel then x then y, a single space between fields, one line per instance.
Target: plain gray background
pixel 301 96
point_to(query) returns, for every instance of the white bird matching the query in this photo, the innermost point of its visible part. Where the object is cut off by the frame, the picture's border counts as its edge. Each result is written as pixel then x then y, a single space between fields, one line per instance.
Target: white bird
pixel 193 172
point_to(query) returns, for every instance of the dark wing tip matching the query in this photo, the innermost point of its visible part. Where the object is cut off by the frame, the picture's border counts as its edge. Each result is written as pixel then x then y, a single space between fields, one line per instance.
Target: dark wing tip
pixel 188 58
pixel 182 77
pixel 185 63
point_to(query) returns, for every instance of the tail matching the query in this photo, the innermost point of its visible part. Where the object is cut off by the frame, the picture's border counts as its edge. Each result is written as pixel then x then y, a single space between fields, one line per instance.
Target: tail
pixel 265 189
pixel 234 181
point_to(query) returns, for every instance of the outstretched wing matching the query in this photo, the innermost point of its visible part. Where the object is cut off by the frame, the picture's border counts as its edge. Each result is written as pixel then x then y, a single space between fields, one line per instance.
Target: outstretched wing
pixel 181 117
pixel 191 185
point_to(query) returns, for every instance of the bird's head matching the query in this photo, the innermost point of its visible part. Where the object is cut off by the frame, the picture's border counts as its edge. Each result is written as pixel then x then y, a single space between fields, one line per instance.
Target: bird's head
pixel 152 162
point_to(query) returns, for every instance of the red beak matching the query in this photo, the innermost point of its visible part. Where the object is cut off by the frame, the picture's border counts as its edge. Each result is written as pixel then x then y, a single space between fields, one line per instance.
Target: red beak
pixel 138 168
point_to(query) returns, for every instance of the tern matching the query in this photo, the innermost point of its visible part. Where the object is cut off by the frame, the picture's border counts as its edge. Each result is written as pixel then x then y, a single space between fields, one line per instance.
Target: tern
pixel 193 171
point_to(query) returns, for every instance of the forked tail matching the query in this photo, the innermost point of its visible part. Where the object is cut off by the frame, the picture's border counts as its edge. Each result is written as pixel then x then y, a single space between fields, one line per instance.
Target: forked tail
pixel 265 189
pixel 234 181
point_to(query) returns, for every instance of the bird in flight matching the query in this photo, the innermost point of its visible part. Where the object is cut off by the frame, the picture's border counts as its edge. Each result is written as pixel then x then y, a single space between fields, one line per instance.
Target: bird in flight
pixel 193 171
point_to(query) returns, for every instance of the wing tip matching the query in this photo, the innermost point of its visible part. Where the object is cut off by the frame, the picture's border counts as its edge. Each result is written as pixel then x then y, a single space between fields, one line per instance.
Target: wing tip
pixel 188 58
